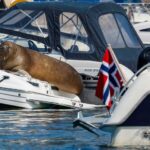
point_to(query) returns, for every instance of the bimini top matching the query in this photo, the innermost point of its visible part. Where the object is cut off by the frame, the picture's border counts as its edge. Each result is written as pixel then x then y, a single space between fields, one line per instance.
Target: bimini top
pixel 79 30
pixel 80 7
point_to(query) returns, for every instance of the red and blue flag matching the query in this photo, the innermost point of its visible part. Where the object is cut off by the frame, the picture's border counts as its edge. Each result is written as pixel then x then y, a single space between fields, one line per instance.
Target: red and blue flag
pixel 109 79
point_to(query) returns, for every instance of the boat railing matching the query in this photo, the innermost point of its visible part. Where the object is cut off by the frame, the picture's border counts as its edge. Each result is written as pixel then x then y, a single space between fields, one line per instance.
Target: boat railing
pixel 132 79
pixel 117 96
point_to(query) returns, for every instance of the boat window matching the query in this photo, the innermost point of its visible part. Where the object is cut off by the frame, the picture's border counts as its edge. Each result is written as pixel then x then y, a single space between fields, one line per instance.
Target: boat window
pixel 41 23
pixel 15 17
pixel 26 21
pixel 117 31
pixel 127 33
pixel 74 37
pixel 111 31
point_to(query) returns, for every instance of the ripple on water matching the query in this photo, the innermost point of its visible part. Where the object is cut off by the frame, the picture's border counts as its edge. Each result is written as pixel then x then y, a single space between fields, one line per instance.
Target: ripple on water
pixel 45 129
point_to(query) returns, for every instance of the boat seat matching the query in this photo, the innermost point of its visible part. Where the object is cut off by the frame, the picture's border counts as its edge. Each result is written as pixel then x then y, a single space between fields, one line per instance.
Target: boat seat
pixel 32 45
pixel 74 48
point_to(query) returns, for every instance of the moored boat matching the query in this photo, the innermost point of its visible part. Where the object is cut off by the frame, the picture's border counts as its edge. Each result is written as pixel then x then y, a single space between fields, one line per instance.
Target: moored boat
pixel 74 36
pixel 21 90
pixel 127 123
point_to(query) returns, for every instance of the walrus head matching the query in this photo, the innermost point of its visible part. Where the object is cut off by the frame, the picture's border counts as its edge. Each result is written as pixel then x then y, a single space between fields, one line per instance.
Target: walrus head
pixel 4 50
pixel 7 49
pixel 13 57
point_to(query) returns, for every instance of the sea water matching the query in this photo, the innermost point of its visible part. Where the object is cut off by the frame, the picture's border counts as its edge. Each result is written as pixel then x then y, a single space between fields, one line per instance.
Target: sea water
pixel 46 130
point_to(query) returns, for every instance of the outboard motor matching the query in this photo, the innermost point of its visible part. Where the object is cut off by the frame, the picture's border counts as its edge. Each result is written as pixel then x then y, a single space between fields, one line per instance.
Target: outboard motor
pixel 144 58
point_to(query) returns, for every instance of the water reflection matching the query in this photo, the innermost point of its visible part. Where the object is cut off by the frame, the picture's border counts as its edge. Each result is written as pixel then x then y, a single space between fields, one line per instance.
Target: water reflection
pixel 44 129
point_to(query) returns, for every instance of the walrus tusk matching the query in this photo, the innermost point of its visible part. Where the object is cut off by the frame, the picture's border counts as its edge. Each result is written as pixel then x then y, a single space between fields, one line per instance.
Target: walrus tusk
pixel 42 67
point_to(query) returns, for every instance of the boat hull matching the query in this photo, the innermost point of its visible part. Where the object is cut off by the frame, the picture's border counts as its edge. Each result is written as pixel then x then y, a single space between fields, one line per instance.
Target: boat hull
pixel 127 136
pixel 21 90
pixel 18 99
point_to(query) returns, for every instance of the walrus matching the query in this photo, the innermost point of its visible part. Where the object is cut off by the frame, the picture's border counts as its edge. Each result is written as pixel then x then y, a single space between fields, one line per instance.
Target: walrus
pixel 14 57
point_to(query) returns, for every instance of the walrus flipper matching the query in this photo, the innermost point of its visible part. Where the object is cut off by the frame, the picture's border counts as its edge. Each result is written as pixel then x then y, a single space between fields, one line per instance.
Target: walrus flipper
pixel 23 72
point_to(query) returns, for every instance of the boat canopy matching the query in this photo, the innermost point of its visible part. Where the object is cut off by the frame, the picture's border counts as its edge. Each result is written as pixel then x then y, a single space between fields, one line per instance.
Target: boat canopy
pixel 78 30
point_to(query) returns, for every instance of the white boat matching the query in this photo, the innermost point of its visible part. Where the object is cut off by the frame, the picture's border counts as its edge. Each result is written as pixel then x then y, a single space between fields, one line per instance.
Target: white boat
pixel 21 90
pixel 137 12
pixel 139 15
pixel 128 123
pixel 74 36
pixel 143 30
pixel 81 43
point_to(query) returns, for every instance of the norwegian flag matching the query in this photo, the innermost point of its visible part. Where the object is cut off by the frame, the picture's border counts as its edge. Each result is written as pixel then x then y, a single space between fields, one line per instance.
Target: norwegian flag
pixel 109 79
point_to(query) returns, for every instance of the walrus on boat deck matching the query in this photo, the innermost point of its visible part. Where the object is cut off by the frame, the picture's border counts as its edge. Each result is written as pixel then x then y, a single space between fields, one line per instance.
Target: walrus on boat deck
pixel 14 57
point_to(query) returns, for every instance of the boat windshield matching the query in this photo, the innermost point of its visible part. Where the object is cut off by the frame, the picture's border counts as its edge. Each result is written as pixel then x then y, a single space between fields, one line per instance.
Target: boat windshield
pixel 74 37
pixel 28 22
pixel 118 26
pixel 25 21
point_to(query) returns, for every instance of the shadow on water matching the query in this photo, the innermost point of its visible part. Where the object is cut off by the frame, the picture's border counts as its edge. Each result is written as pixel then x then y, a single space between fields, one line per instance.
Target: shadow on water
pixel 45 129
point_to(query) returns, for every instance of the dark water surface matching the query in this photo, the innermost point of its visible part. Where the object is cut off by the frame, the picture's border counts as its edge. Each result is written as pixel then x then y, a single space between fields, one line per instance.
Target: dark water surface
pixel 45 129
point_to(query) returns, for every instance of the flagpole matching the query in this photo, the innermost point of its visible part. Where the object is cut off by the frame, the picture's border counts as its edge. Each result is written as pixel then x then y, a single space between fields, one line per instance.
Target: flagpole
pixel 117 63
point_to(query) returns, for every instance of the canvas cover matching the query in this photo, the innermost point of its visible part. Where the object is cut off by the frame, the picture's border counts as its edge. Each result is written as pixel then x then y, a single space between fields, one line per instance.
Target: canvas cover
pixel 83 26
